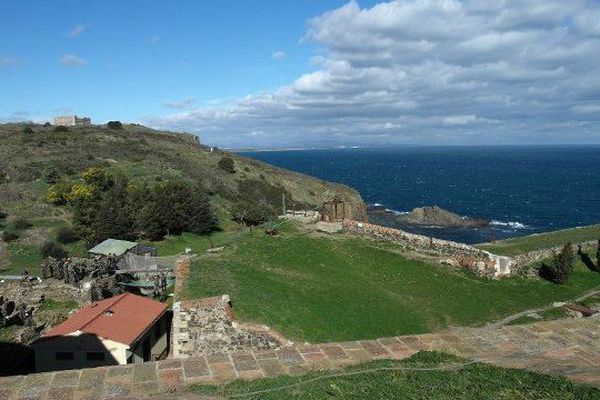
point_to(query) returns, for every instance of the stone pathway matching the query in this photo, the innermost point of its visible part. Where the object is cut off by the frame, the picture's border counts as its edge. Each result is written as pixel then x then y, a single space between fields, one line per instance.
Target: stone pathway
pixel 569 348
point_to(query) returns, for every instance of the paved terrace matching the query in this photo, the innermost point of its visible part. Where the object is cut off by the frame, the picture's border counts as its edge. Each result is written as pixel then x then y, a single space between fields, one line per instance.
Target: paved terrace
pixel 570 348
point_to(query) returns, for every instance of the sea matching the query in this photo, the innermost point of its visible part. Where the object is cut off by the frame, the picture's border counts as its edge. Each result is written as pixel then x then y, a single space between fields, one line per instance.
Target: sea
pixel 520 189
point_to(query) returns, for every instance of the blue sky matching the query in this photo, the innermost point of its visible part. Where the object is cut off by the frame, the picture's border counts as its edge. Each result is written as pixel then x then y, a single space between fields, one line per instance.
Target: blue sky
pixel 301 73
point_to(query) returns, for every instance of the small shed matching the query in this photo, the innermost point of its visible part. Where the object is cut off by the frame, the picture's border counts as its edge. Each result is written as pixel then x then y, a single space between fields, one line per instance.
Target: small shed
pixel 113 247
pixel 333 210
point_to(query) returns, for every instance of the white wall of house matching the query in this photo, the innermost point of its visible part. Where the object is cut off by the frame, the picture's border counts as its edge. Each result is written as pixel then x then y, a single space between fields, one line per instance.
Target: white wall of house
pixel 78 350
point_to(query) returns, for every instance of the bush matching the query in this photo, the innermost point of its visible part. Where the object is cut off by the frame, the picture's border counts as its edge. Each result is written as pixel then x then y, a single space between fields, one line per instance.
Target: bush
pixel 47 124
pixel 249 214
pixel 51 249
pixel 598 254
pixel 9 236
pixel 561 267
pixel 61 128
pixel 227 164
pixel 114 125
pixel 21 223
pixel 51 176
pixel 3 215
pixel 27 130
pixel 66 235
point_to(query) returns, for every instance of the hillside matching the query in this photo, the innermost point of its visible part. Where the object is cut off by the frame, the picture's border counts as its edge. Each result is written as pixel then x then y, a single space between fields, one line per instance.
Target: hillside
pixel 540 241
pixel 31 158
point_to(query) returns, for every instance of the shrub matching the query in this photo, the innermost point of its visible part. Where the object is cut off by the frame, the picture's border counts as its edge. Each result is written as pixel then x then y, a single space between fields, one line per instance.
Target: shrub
pixel 249 214
pixel 9 236
pixel 21 223
pixel 114 125
pixel 561 267
pixel 66 235
pixel 598 254
pixel 61 128
pixel 58 193
pixel 3 215
pixel 227 164
pixel 47 124
pixel 51 176
pixel 27 130
pixel 51 249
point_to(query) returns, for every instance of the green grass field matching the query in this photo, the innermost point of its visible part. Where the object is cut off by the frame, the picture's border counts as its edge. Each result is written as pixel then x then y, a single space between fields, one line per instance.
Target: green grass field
pixel 341 287
pixel 474 381
pixel 514 246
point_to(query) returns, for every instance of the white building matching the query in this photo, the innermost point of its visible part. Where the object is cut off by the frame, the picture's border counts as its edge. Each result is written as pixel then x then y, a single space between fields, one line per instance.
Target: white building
pixel 72 120
pixel 124 329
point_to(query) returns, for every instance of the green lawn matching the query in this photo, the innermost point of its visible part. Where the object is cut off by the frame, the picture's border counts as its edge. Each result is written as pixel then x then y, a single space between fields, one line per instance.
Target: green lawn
pixel 473 381
pixel 343 288
pixel 514 246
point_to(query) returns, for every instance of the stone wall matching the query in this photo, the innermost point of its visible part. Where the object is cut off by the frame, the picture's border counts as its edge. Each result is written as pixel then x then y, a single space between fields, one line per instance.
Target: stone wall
pixel 206 326
pixel 522 260
pixel 479 261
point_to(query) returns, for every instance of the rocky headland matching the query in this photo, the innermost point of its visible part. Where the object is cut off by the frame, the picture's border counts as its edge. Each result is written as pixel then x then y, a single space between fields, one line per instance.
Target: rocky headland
pixel 432 216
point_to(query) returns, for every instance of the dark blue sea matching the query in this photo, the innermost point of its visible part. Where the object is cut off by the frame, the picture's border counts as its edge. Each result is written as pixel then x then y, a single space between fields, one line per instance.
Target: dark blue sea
pixel 522 190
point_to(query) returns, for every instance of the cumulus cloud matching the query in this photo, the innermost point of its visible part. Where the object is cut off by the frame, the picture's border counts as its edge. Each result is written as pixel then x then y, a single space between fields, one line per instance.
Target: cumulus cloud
pixel 278 55
pixel 76 32
pixel 429 71
pixel 183 104
pixel 71 60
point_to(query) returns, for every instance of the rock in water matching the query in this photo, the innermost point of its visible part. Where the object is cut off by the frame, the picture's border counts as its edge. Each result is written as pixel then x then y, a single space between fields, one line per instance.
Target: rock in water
pixel 436 216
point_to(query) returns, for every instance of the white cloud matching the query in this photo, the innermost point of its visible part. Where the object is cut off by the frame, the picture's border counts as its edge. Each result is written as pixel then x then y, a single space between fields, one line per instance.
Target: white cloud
pixel 278 55
pixel 183 104
pixel 586 109
pixel 459 119
pixel 423 72
pixel 76 32
pixel 71 60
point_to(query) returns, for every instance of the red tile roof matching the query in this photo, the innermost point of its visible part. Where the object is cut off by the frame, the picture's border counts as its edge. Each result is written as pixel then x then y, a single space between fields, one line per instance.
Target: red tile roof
pixel 123 318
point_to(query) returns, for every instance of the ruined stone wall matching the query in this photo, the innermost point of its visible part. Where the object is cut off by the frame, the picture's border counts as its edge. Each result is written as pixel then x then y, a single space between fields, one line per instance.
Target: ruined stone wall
pixel 525 259
pixel 206 326
pixel 481 262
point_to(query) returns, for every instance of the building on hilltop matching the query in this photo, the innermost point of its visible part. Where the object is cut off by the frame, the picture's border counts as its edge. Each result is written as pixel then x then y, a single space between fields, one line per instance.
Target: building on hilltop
pixel 72 120
pixel 124 329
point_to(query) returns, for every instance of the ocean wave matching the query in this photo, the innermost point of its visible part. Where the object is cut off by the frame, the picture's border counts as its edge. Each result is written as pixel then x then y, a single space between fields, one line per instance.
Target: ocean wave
pixel 511 224
pixel 396 212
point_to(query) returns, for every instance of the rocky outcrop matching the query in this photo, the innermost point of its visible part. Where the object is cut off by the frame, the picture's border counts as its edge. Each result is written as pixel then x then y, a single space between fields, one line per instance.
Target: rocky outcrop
pixel 436 216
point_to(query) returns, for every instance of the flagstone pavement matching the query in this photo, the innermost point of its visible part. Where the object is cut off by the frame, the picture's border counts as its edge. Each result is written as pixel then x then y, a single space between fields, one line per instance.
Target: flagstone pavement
pixel 570 348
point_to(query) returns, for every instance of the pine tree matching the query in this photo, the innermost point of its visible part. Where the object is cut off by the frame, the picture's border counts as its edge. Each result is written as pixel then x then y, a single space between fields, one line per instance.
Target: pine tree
pixel 562 266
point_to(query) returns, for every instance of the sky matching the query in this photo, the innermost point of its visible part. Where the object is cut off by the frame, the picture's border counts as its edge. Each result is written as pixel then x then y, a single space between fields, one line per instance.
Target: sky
pixel 311 73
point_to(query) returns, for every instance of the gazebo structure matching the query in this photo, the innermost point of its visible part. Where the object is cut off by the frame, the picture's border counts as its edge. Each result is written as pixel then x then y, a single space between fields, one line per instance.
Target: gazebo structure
pixel 333 210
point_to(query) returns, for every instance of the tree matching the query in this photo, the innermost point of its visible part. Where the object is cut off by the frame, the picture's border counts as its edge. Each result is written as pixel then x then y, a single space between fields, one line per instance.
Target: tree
pixel 61 128
pixel 249 214
pixel 227 164
pixel 51 249
pixel 598 254
pixel 114 125
pixel 65 235
pixel 561 267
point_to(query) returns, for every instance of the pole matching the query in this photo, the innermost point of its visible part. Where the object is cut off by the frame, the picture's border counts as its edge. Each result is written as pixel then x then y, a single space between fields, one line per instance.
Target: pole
pixel 283 203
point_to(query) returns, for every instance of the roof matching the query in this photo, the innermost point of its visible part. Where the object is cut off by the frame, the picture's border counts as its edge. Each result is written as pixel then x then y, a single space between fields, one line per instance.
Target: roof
pixel 123 318
pixel 113 247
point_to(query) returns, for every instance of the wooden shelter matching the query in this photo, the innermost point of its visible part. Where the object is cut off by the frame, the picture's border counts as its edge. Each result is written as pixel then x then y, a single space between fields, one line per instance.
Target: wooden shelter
pixel 333 210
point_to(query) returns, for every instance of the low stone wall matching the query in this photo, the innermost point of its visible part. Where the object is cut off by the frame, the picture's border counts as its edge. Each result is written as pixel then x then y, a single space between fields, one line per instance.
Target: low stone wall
pixel 453 253
pixel 206 326
pixel 522 260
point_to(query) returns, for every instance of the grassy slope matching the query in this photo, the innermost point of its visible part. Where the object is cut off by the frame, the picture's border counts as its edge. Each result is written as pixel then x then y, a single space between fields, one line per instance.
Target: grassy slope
pixel 476 381
pixel 142 154
pixel 514 246
pixel 344 288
